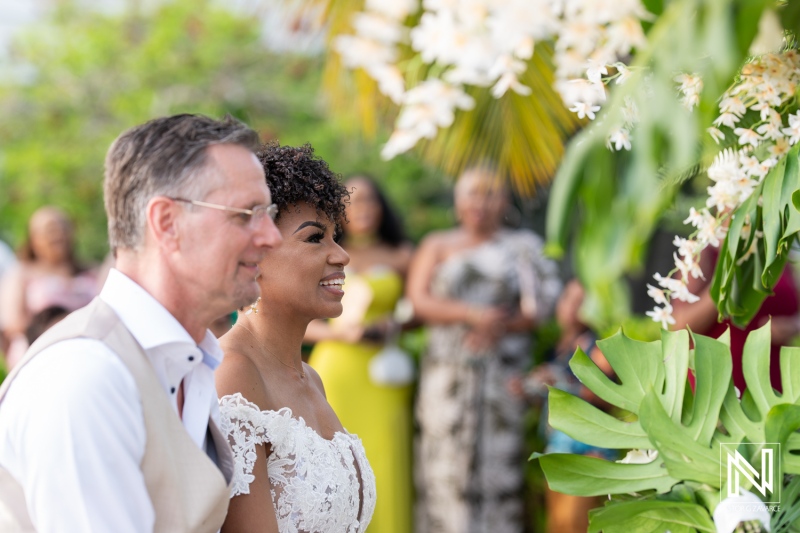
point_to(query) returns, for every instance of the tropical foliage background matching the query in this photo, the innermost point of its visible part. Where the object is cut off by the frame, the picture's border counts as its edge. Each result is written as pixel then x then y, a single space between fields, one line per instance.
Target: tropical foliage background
pixel 94 74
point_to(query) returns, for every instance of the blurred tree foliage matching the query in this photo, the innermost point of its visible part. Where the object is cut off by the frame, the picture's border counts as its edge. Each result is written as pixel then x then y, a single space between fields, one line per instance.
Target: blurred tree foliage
pixel 96 75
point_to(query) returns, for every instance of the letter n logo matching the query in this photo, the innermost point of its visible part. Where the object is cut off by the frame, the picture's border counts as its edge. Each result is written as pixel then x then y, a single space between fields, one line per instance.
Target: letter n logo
pixel 740 470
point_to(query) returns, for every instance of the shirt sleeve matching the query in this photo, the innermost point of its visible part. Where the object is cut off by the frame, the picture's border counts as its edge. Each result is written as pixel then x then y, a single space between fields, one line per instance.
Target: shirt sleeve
pixel 73 436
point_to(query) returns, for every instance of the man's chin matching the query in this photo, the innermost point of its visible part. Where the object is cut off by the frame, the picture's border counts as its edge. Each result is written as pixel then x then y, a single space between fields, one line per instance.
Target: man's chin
pixel 247 298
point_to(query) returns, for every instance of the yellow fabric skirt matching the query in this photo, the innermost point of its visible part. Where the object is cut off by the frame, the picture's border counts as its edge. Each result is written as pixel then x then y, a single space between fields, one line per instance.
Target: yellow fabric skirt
pixel 381 417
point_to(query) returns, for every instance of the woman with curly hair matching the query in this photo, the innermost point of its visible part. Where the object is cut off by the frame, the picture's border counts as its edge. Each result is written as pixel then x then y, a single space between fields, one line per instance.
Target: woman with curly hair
pixel 349 350
pixel 297 469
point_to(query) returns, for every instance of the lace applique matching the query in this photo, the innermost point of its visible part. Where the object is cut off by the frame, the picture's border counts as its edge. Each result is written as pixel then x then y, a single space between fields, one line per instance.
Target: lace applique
pixel 315 481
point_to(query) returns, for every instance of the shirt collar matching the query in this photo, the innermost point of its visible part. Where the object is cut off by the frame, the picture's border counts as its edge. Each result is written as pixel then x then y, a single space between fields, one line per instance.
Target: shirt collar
pixel 149 321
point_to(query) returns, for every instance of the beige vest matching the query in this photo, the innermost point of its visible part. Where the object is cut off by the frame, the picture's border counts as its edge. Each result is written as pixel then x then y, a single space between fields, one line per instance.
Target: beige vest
pixel 188 491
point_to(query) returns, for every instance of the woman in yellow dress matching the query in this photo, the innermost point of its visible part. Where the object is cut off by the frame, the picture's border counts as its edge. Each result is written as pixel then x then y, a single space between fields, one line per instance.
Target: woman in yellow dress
pixel 379 413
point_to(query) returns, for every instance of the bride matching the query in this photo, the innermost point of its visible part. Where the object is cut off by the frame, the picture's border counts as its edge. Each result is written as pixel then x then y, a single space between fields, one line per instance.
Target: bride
pixel 297 469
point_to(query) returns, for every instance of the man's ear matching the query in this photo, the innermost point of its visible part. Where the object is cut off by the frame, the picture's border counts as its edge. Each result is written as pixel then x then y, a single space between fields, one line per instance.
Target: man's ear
pixel 163 216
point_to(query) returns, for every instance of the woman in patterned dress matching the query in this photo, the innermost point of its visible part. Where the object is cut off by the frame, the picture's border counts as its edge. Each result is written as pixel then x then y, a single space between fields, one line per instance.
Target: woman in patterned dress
pixel 481 288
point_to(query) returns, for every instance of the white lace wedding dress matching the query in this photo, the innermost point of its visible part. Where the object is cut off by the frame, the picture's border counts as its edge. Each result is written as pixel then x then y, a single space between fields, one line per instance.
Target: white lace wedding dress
pixel 318 485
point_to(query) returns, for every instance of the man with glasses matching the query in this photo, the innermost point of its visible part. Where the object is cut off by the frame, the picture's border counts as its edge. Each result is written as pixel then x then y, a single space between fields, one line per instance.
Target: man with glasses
pixel 110 423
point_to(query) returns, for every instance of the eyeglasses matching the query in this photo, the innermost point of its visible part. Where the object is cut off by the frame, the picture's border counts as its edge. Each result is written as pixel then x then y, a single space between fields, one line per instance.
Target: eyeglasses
pixel 252 217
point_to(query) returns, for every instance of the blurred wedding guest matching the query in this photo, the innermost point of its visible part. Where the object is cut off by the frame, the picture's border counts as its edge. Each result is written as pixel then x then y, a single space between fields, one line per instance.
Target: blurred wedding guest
pixel 7 260
pixel 44 320
pixel 782 308
pixel 47 274
pixel 481 288
pixel 566 513
pixel 377 410
pixel 110 422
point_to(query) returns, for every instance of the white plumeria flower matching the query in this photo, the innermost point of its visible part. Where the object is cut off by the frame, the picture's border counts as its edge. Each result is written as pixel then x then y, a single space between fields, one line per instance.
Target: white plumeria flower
pixel 793 131
pixel 437 37
pixel 723 195
pixel 580 90
pixel 427 107
pixel 472 14
pixel 711 232
pixel 620 139
pixel 686 247
pixel 395 9
pixel 585 110
pixel 726 166
pixel 690 100
pixel 509 81
pixel 390 81
pixel 623 73
pixel 687 267
pixel 663 315
pixel 378 28
pixel 747 136
pixel 579 35
pixel 359 52
pixel 726 119
pixel 733 104
pixel 639 457
pixel 626 34
pixel 696 218
pixel 687 81
pixel 716 134
pixel 743 507
pixel 780 148
pixel 684 295
pixel 505 70
pixel 671 284
pixel 762 168
pixel 595 71
pixel 770 130
pixel 749 163
pixel 630 112
pixel 658 295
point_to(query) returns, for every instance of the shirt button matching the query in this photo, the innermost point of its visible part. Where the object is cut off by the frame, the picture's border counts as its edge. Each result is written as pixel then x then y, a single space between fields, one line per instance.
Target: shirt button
pixel 172 390
pixel 191 358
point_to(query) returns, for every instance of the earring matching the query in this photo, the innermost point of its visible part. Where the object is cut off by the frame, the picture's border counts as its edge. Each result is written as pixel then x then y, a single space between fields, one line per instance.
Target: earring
pixel 254 307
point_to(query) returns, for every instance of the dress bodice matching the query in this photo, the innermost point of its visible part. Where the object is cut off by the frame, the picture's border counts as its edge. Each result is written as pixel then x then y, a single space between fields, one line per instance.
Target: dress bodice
pixel 386 286
pixel 318 485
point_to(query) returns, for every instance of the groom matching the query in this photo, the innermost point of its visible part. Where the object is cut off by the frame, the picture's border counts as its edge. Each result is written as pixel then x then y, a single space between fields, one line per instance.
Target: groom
pixel 110 421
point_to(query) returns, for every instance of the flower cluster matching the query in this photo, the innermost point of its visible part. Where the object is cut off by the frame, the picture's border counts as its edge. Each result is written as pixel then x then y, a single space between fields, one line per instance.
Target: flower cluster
pixel 591 39
pixel 379 28
pixel 756 112
pixel 691 85
pixel 427 107
pixel 486 43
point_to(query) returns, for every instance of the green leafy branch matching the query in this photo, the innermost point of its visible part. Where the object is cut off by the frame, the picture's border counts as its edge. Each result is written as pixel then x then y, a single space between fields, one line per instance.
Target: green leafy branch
pixel 680 489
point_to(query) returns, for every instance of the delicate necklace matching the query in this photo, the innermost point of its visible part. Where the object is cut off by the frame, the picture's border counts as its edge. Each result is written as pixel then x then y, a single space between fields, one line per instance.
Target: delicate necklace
pixel 302 373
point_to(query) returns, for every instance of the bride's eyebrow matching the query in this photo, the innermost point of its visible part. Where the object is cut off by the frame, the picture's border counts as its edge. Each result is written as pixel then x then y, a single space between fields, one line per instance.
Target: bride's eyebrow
pixel 310 223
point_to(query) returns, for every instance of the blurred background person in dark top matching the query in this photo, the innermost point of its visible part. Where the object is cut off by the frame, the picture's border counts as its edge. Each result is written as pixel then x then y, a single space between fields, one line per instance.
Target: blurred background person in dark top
pixel 44 320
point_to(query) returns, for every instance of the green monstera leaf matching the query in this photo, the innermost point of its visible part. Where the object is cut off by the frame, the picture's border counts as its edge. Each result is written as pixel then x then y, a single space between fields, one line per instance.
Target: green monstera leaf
pixel 690 428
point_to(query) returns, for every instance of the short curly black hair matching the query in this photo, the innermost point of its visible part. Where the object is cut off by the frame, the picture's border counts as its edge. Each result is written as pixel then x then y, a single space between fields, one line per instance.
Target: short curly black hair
pixel 296 176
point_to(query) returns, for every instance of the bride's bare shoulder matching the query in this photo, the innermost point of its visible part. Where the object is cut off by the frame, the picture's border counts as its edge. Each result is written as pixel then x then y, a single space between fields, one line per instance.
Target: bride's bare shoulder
pixel 238 373
pixel 313 376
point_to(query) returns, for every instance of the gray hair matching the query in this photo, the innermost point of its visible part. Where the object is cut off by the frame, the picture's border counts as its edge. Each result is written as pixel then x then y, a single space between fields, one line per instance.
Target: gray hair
pixel 166 156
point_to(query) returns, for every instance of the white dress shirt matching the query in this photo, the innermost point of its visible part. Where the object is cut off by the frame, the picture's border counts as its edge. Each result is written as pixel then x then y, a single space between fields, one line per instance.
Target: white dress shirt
pixel 71 425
